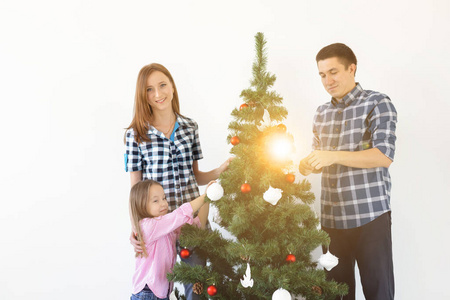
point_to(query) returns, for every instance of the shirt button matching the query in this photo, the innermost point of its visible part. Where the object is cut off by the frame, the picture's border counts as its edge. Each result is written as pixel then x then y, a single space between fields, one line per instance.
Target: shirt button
pixel 332 185
pixel 334 147
pixel 339 112
pixel 337 130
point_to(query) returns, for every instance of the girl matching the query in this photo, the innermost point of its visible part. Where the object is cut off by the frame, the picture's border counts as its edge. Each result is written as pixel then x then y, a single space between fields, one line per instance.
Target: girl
pixel 157 231
pixel 163 145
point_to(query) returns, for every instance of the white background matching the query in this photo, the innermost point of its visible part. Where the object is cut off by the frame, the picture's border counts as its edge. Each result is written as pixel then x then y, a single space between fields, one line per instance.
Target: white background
pixel 67 78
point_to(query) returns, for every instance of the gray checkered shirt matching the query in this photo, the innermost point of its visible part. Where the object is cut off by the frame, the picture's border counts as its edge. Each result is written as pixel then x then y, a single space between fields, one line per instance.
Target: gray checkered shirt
pixel 352 197
pixel 168 161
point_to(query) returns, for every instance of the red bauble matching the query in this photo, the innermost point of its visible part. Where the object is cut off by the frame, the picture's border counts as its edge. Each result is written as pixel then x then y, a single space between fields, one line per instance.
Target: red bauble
pixel 243 106
pixel 290 178
pixel 185 253
pixel 246 188
pixel 282 127
pixel 290 258
pixel 212 290
pixel 234 140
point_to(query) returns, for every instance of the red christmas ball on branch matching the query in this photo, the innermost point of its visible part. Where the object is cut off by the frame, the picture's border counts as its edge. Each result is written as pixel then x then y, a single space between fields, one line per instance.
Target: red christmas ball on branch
pixel 246 188
pixel 290 258
pixel 185 253
pixel 234 140
pixel 243 106
pixel 290 178
pixel 282 127
pixel 212 290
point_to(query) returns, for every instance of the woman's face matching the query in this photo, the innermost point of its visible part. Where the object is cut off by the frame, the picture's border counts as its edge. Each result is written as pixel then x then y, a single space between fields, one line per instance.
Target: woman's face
pixel 159 91
pixel 157 203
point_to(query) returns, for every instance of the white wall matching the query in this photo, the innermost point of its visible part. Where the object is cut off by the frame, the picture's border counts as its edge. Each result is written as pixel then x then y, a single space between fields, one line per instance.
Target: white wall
pixel 67 78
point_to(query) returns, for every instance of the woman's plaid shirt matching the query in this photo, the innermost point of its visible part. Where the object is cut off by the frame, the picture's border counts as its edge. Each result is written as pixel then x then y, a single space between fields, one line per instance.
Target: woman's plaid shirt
pixel 352 197
pixel 168 161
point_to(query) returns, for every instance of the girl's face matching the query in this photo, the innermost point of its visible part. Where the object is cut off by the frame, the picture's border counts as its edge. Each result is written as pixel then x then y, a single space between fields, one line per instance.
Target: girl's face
pixel 157 204
pixel 159 91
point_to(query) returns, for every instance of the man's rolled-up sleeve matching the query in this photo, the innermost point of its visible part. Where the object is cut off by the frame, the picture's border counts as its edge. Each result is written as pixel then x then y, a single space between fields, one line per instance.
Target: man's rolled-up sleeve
pixel 383 122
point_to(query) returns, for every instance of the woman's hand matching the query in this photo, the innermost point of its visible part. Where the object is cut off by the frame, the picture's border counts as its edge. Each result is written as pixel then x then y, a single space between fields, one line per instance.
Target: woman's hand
pixel 135 243
pixel 205 177
pixel 223 167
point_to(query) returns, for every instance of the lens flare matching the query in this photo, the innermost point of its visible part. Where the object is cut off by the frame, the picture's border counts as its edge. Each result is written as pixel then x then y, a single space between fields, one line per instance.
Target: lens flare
pixel 279 147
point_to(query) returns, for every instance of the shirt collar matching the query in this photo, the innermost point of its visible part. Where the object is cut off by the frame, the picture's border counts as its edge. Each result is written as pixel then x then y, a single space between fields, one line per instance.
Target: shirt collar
pixel 352 95
pixel 183 122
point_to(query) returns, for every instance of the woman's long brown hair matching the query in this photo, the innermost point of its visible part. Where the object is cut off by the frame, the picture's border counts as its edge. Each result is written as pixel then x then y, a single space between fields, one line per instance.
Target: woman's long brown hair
pixel 138 207
pixel 142 109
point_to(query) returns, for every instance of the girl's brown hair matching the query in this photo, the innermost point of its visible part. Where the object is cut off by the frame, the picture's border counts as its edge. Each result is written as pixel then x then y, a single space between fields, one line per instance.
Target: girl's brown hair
pixel 138 207
pixel 142 109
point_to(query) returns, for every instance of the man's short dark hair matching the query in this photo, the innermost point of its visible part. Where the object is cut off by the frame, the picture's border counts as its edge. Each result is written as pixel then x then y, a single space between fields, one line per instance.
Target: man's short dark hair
pixel 339 50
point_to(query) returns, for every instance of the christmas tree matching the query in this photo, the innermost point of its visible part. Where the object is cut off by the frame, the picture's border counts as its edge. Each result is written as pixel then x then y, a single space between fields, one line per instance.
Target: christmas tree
pixel 263 206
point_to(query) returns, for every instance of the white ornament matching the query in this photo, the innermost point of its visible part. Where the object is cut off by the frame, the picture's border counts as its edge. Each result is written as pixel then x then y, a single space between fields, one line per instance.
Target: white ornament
pixel 216 217
pixel 328 260
pixel 248 281
pixel 214 191
pixel 281 294
pixel 172 296
pixel 272 195
pixel 265 121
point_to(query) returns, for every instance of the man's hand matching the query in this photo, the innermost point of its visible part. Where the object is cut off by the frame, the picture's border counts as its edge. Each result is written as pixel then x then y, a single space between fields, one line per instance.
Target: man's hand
pixel 305 168
pixel 319 159
pixel 135 243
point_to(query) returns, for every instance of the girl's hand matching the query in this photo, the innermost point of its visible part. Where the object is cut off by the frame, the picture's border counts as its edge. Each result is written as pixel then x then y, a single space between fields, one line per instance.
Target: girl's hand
pixel 135 243
pixel 211 182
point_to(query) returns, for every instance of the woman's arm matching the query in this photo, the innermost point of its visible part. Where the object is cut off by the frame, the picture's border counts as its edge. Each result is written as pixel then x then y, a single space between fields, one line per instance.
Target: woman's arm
pixel 135 177
pixel 205 177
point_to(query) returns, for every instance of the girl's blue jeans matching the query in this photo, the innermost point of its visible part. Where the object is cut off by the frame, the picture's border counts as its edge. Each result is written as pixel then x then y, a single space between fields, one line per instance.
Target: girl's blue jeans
pixel 146 294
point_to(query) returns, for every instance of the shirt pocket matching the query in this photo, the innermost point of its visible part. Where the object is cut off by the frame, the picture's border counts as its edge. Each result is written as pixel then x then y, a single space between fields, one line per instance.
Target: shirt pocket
pixel 156 159
pixel 353 134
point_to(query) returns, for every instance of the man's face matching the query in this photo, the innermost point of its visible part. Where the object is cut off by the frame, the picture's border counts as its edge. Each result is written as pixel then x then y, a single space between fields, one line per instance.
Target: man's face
pixel 336 79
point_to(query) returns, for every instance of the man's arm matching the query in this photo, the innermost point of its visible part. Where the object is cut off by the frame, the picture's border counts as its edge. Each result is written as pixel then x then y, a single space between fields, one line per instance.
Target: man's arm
pixel 371 158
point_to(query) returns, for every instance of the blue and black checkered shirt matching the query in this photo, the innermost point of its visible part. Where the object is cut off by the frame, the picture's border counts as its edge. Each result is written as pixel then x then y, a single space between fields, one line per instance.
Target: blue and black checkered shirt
pixel 168 161
pixel 352 197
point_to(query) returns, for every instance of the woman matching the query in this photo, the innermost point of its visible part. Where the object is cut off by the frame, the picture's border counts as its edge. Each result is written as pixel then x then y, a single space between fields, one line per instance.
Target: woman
pixel 164 146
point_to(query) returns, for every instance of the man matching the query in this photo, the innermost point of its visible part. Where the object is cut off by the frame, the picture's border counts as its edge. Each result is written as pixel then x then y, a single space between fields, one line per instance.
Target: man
pixel 354 144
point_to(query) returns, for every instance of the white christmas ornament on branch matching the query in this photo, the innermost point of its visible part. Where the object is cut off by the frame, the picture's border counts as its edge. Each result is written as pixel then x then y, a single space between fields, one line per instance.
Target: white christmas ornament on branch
pixel 172 296
pixel 248 281
pixel 265 121
pixel 216 217
pixel 328 260
pixel 281 294
pixel 272 195
pixel 214 191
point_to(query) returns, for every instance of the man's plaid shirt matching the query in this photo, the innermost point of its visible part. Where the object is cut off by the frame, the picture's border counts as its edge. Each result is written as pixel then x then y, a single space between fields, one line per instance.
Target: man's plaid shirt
pixel 168 161
pixel 352 197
